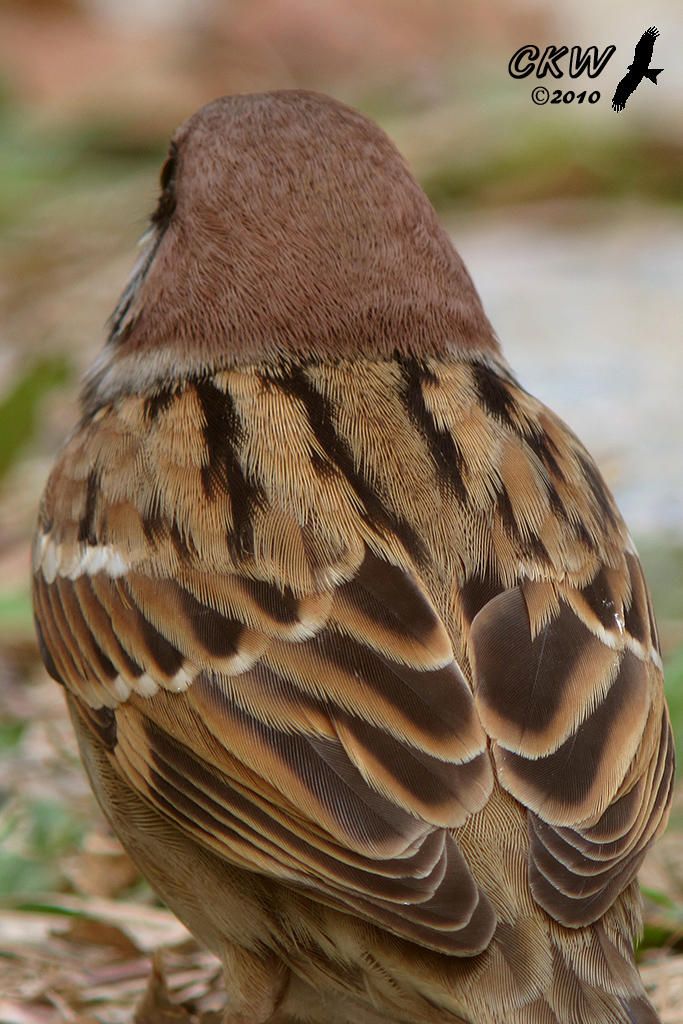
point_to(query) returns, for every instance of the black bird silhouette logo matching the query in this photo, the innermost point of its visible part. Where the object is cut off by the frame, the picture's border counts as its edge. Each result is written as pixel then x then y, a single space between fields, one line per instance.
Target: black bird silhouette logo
pixel 639 70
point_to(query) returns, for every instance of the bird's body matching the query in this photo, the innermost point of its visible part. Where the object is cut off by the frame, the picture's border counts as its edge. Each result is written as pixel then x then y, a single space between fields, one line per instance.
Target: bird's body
pixel 357 647
pixel 639 70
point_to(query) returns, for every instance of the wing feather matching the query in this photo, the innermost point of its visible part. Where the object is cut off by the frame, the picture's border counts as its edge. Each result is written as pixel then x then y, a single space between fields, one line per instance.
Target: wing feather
pixel 326 739
pixel 264 664
pixel 574 704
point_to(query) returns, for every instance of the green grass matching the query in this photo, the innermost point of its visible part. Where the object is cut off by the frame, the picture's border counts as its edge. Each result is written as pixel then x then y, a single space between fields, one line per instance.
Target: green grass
pixel 34 835
pixel 11 733
pixel 39 164
pixel 16 618
pixel 674 695
pixel 544 163
pixel 20 407
pixel 663 921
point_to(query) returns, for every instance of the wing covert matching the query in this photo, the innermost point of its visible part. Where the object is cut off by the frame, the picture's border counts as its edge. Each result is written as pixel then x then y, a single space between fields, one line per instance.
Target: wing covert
pixel 328 739
pixel 568 685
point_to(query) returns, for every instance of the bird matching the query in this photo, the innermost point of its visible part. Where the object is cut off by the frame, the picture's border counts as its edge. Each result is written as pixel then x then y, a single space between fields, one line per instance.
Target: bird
pixel 638 70
pixel 357 647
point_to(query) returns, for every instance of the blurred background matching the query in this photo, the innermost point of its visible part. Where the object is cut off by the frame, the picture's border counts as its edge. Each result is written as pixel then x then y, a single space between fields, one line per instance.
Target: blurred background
pixel 570 219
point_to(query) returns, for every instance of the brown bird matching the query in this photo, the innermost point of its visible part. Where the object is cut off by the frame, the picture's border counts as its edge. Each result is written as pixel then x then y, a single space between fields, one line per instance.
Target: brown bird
pixel 358 649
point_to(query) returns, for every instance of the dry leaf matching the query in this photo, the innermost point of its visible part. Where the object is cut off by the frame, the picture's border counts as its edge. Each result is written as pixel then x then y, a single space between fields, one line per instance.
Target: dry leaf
pixel 19 1012
pixel 156 1006
pixel 86 931
pixel 101 869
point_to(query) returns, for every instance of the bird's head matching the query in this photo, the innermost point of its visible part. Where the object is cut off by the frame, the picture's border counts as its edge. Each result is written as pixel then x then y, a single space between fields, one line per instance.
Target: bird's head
pixel 288 226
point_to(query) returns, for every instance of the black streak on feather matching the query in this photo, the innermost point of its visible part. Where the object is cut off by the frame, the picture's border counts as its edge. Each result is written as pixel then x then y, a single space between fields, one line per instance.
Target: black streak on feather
pixel 86 527
pixel 493 393
pixel 45 655
pixel 218 635
pixel 160 401
pixel 223 432
pixel 294 382
pixel 598 489
pixel 530 545
pixel 281 605
pixel 100 721
pixel 368 821
pixel 167 659
pixel 155 527
pixel 599 597
pixel 545 449
pixel 386 594
pixel 86 595
pixel 525 681
pixel 568 774
pixel 636 615
pixel 442 445
pixel 436 702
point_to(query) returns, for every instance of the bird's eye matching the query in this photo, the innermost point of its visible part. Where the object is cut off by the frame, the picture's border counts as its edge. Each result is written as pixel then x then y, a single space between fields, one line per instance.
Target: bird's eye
pixel 168 170
pixel 167 200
